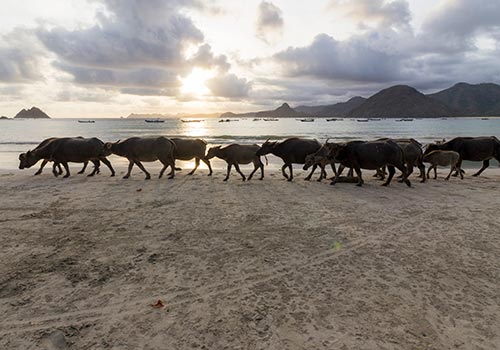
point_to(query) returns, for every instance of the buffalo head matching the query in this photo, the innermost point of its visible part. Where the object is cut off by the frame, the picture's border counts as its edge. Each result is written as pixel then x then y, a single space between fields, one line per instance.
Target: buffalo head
pixel 28 159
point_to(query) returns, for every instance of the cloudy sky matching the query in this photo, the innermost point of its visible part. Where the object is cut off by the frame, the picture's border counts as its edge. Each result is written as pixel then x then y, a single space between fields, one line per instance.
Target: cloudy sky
pixel 76 58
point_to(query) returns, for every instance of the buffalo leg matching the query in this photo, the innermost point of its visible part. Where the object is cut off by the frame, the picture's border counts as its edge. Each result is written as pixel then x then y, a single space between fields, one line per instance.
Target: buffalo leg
pixel 403 170
pixel 357 169
pixel 350 173
pixel 108 164
pixel 283 171
pixel 486 164
pixel 392 171
pixel 257 165
pixel 163 170
pixel 237 167
pixel 207 162
pixel 337 175
pixel 451 170
pixel 308 177
pixel 171 162
pixel 130 166
pixel 228 172
pixel 139 164
pixel 84 167
pixel 291 172
pixel 55 171
pixel 429 171
pixel 45 161
pixel 322 174
pixel 196 165
pixel 459 164
pixel 435 172
pixel 96 168
pixel 421 167
pixel 66 167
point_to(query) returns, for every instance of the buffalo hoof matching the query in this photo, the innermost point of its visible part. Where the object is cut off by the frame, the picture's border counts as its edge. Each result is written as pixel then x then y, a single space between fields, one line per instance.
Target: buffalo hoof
pixel 80 172
pixel 126 177
pixel 209 174
pixel 289 180
pixel 37 173
pixel 170 177
pixel 66 176
pixel 90 175
pixel 112 175
pixel 307 178
pixel 385 184
pixel 332 183
pixel 225 180
pixel 359 184
pixel 147 178
pixel 261 179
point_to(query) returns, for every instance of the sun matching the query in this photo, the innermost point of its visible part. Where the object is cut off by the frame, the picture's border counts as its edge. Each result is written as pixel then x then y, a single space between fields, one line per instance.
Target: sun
pixel 194 83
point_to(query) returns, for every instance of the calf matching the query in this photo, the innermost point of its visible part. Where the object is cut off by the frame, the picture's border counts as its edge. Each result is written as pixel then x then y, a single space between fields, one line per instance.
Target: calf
pixel 235 154
pixel 443 158
pixel 145 149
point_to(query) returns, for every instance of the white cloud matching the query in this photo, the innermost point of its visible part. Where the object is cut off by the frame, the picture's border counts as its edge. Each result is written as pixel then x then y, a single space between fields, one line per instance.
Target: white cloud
pixel 269 22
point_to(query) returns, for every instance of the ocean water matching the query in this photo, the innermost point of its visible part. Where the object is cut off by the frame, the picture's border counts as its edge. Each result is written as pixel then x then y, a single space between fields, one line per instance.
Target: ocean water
pixel 18 136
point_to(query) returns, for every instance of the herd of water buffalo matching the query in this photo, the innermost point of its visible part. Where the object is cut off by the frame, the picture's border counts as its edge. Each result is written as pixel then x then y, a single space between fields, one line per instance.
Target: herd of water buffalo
pixel 380 155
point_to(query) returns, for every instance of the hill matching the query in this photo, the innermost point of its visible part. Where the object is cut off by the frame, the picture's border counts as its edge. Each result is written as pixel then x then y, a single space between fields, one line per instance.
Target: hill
pixel 471 100
pixel 335 110
pixel 400 101
pixel 32 113
pixel 283 111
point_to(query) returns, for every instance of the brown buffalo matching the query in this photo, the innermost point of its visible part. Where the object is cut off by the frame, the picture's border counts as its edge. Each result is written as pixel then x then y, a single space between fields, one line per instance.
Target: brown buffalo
pixel 187 149
pixel 145 149
pixel 235 154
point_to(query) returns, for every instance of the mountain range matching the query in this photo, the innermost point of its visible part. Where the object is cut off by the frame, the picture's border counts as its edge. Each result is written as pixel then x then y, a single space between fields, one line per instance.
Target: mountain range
pixel 400 101
pixel 32 113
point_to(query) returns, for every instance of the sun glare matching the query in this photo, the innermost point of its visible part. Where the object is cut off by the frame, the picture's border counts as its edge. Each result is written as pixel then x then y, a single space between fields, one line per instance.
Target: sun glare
pixel 194 83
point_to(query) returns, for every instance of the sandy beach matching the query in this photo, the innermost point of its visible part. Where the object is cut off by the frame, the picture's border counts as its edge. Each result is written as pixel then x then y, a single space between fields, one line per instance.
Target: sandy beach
pixel 248 265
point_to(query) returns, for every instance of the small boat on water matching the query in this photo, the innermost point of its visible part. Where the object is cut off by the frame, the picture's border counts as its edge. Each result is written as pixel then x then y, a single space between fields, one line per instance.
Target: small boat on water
pixel 404 120
pixel 270 119
pixel 256 119
pixel 362 120
pixel 86 121
pixel 375 119
pixel 334 119
pixel 485 118
pixel 307 120
pixel 154 121
pixel 192 120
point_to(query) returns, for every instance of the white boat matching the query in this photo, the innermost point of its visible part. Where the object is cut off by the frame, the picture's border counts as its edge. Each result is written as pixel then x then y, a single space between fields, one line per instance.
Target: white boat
pixel 307 120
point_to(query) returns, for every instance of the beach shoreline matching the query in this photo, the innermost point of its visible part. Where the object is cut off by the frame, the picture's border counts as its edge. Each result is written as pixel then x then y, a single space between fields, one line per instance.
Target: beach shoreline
pixel 260 264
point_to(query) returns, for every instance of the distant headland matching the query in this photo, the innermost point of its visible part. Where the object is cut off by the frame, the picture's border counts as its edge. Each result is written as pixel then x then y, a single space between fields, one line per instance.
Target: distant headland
pixel 32 113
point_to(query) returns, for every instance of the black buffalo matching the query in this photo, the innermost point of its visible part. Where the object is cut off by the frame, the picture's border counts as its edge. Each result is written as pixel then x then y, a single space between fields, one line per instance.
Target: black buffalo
pixel 292 151
pixel 471 148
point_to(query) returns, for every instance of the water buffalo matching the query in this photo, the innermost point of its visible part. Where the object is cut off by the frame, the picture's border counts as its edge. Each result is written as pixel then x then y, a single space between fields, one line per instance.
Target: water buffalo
pixel 292 151
pixel 70 149
pixel 145 149
pixel 413 156
pixel 369 155
pixel 443 158
pixel 235 154
pixel 471 148
pixel 321 158
pixel 24 164
pixel 187 149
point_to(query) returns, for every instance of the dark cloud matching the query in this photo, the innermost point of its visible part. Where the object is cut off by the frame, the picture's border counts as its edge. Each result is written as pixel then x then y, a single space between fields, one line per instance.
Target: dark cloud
pixel 355 59
pixel 229 86
pixel 136 45
pixel 455 26
pixel 269 22
pixel 205 58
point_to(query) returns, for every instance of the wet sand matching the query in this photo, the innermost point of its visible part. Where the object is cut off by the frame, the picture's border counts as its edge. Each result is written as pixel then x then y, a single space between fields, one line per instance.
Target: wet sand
pixel 248 265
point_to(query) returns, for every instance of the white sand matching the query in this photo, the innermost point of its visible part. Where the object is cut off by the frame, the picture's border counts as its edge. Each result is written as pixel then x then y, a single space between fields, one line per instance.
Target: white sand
pixel 256 265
